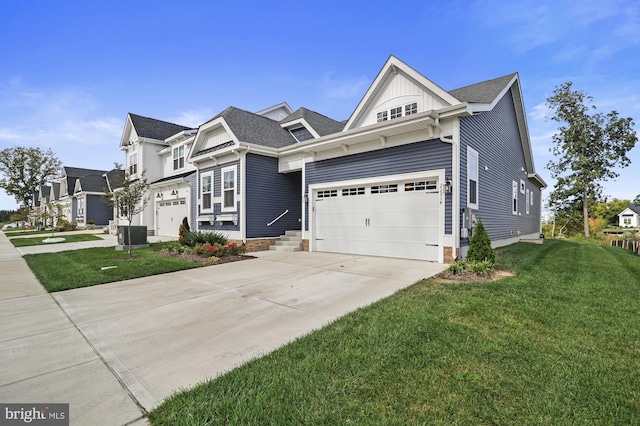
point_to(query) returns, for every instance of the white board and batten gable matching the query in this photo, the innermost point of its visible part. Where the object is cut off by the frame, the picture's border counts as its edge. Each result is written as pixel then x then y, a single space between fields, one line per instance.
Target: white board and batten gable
pixel 213 138
pixel 398 86
pixel 630 217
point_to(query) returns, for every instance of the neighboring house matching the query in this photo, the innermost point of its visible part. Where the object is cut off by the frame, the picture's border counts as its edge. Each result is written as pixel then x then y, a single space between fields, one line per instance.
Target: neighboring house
pixel 408 175
pixel 630 216
pixel 79 195
pixel 89 194
pixel 66 198
pixel 159 149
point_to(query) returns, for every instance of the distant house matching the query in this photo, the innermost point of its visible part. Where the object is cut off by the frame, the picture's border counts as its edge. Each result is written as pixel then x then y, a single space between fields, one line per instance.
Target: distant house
pixel 408 175
pixel 630 216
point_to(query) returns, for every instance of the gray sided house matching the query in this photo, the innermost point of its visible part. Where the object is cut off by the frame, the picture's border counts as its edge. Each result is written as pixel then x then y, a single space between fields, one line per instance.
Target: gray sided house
pixel 241 191
pixel 90 202
pixel 416 167
pixel 409 174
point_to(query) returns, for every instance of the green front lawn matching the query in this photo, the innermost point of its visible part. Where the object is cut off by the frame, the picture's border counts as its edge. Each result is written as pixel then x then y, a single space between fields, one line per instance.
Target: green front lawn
pixel 559 343
pixel 36 241
pixel 83 268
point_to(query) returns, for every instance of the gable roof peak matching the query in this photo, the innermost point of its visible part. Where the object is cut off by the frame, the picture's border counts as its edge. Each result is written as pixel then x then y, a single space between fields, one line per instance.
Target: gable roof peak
pixel 484 92
pixel 153 128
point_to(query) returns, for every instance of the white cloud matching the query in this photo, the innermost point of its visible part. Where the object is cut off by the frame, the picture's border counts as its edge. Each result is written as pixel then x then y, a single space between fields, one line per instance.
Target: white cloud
pixel 70 121
pixel 193 118
pixel 343 88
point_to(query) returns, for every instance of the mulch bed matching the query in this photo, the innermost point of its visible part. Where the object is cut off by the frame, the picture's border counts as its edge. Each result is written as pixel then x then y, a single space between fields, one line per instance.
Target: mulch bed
pixel 470 276
pixel 207 260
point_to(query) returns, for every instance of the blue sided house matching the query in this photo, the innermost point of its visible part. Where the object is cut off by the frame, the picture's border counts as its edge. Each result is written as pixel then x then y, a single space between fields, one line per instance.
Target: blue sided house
pixel 408 175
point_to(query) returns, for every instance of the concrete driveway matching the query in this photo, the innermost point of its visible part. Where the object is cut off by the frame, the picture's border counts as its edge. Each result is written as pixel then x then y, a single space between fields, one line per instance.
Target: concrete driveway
pixel 159 334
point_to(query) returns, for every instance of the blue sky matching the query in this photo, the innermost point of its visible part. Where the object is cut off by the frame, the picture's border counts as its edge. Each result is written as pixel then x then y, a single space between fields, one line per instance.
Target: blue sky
pixel 72 70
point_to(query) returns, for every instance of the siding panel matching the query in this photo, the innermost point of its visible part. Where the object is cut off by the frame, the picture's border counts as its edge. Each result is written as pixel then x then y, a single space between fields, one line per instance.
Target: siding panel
pixel 494 134
pixel 415 157
pixel 269 194
pixel 217 192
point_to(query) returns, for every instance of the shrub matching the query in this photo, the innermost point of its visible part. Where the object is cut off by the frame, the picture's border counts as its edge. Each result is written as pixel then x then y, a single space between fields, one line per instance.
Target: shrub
pixel 64 225
pixel 184 228
pixel 480 246
pixel 458 267
pixel 191 239
pixel 482 268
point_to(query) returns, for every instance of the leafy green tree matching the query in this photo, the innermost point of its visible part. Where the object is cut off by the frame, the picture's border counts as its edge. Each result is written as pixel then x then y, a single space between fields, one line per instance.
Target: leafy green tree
pixel 637 199
pixel 25 170
pixel 6 214
pixel 480 246
pixel 610 210
pixel 588 145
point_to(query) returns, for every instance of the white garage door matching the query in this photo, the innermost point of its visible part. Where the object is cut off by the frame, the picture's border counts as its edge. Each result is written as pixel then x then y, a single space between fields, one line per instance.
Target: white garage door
pixel 169 216
pixel 398 219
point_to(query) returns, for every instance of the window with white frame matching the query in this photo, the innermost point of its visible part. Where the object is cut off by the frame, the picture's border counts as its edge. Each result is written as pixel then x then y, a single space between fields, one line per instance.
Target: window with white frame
pixel 472 178
pixel 396 112
pixel 80 207
pixel 411 109
pixel 229 188
pixel 382 116
pixel 626 220
pixel 526 199
pixel 522 186
pixel 133 163
pixel 514 202
pixel 531 197
pixel 178 157
pixel 206 192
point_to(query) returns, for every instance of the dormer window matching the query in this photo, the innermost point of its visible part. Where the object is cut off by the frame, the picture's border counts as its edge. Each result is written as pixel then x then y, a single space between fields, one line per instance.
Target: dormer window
pixel 382 116
pixel 301 134
pixel 178 157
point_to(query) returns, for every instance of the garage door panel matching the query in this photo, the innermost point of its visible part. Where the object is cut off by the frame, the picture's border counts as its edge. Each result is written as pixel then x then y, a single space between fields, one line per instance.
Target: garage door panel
pixel 394 224
pixel 169 217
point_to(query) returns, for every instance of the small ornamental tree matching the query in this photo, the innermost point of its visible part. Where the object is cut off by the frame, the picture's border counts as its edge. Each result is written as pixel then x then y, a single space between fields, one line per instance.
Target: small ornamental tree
pixel 480 246
pixel 129 199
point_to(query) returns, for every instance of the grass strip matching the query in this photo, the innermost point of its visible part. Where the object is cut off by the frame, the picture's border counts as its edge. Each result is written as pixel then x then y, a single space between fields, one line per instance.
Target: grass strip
pixel 82 268
pixel 559 343
pixel 37 241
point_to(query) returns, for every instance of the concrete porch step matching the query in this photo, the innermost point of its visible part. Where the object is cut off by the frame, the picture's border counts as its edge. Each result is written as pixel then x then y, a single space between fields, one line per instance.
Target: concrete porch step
pixel 290 241
pixel 285 248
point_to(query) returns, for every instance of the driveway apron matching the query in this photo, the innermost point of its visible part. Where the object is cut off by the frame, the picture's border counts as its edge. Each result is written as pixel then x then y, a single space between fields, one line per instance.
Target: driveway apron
pixel 157 335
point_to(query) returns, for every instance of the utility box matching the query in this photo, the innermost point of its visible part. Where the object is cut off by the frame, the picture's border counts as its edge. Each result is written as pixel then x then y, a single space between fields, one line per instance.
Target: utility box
pixel 138 237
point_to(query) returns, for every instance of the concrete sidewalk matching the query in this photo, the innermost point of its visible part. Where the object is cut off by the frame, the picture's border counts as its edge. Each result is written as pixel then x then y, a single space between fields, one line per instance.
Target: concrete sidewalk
pixel 44 358
pixel 114 351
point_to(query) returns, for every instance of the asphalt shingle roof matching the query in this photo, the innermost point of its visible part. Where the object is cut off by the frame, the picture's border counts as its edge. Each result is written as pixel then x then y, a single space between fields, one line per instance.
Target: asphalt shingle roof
pixel 93 183
pixel 155 129
pixel 323 125
pixel 253 128
pixel 484 92
pixel 634 207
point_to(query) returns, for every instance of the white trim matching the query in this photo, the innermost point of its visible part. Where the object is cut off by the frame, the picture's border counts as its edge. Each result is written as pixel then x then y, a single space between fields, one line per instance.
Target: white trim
pixel 438 173
pixel 514 198
pixel 200 196
pixel 173 157
pixel 526 200
pixel 473 153
pixel 243 201
pixel 224 170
